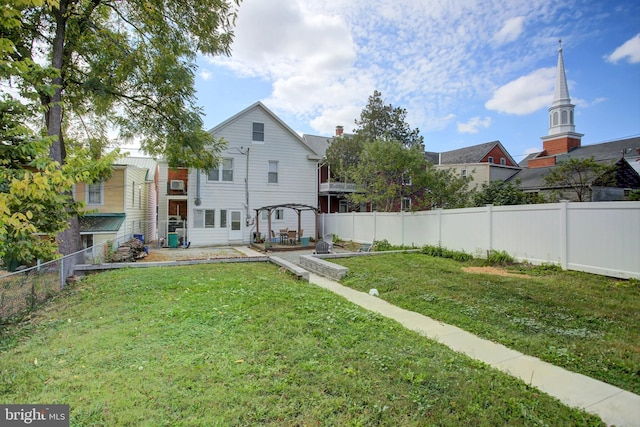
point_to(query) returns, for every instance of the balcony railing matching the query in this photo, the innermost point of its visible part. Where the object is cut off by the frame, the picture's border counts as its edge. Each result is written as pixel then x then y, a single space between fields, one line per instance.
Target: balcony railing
pixel 338 187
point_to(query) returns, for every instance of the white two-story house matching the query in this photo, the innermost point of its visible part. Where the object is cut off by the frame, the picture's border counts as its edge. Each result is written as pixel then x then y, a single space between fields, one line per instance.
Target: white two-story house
pixel 265 163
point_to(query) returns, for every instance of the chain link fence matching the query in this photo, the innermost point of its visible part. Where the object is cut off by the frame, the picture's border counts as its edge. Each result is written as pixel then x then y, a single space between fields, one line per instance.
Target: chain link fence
pixel 25 289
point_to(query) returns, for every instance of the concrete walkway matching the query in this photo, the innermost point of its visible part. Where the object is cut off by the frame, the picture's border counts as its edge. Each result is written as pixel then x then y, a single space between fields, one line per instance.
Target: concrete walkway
pixel 615 406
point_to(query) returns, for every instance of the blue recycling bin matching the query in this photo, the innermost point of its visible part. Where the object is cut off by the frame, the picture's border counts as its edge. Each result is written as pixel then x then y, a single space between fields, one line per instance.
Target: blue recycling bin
pixel 139 237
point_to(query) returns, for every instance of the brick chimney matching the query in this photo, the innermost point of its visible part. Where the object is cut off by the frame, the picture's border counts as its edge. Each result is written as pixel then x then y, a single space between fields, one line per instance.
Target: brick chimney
pixel 339 130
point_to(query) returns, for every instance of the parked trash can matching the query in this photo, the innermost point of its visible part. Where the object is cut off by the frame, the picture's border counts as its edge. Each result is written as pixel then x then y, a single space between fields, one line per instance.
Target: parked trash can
pixel 172 239
pixel 139 237
pixel 304 241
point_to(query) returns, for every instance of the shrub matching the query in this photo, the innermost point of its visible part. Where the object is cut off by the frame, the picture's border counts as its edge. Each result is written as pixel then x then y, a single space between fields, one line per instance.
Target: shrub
pixel 382 245
pixel 499 258
pixel 440 252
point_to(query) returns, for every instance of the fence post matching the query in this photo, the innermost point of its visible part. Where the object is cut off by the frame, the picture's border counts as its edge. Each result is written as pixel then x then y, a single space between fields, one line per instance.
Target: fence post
pixel 62 273
pixel 490 226
pixel 564 229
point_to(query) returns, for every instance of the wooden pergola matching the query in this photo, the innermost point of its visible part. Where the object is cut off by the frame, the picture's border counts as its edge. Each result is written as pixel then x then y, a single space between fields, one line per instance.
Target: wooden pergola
pixel 295 206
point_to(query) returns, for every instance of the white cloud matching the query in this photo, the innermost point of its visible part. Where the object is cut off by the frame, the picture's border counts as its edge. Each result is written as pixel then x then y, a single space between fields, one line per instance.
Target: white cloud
pixel 324 58
pixel 473 124
pixel 630 50
pixel 525 94
pixel 510 31
pixel 205 74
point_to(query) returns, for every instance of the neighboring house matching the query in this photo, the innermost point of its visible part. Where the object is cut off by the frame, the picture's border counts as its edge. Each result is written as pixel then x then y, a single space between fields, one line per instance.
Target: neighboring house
pixel 172 201
pixel 331 192
pixel 625 153
pixel 482 163
pixel 563 143
pixel 121 207
pixel 265 163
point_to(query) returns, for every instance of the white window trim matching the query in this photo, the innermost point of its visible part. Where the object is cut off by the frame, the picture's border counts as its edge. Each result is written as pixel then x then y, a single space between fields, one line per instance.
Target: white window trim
pixel 101 203
pixel 257 141
pixel 221 170
pixel 269 172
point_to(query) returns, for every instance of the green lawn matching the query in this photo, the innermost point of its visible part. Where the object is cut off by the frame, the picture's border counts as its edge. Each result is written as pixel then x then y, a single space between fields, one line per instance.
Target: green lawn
pixel 246 344
pixel 583 322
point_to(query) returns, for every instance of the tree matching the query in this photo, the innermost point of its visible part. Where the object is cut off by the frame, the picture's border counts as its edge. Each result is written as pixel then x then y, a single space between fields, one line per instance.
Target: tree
pixel 500 193
pixel 122 64
pixel 379 121
pixel 578 175
pixel 386 173
pixel 35 193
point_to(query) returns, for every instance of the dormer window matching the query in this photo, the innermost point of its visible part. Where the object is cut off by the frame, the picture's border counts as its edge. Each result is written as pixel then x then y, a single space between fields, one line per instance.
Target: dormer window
pixel 258 132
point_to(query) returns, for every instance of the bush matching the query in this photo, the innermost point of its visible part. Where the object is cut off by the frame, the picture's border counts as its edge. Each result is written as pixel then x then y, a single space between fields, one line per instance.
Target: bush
pixel 440 252
pixel 382 245
pixel 499 258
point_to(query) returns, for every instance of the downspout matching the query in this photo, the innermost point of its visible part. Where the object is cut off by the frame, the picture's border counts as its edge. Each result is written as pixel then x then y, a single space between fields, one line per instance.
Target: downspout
pixel 246 192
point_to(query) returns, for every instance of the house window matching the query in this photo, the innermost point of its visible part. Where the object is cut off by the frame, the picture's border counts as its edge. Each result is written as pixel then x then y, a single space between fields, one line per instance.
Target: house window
pixel 223 172
pixel 204 218
pixel 223 218
pixel 490 159
pixel 406 204
pixel 279 213
pixel 503 161
pixel 258 132
pixel 406 178
pixel 343 206
pixel 95 194
pixel 463 172
pixel 273 172
pixel 564 117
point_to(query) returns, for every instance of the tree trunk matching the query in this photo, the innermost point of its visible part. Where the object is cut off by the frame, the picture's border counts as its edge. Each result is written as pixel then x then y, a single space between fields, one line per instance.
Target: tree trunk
pixel 69 241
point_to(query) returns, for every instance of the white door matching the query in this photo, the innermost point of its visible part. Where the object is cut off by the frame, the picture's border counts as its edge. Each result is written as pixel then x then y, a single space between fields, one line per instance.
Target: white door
pixel 235 226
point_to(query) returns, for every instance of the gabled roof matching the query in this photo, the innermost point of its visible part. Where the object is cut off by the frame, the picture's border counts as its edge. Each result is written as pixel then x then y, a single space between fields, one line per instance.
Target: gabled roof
pixel 612 151
pixel 605 151
pixel 318 144
pixel 141 162
pixel 260 105
pixel 472 154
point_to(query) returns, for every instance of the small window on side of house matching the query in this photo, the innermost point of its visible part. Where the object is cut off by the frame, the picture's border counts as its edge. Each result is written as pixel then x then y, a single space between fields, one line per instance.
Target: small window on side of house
pixel 258 132
pixel 490 159
pixel 406 204
pixel 503 161
pixel 273 172
pixel 95 194
pixel 463 172
pixel 279 213
pixel 343 206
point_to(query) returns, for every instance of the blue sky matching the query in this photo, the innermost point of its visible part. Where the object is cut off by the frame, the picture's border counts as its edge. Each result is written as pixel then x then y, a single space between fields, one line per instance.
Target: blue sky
pixel 466 71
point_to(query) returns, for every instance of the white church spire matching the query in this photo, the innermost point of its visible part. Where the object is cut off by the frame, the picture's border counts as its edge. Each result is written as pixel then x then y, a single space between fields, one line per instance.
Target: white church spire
pixel 561 110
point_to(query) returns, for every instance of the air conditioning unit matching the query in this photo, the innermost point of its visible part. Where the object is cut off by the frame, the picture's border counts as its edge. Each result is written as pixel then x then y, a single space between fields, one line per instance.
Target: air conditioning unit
pixel 177 184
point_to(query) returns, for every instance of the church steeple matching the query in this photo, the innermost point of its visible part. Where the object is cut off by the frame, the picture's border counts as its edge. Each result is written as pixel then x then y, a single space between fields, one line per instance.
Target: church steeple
pixel 562 136
pixel 561 111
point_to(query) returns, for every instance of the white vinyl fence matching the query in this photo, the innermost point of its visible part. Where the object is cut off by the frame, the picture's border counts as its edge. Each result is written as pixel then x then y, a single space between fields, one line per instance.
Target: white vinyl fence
pixel 600 237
